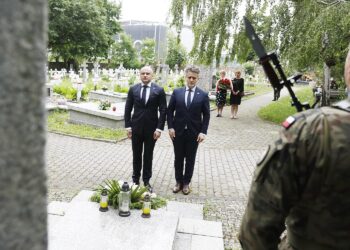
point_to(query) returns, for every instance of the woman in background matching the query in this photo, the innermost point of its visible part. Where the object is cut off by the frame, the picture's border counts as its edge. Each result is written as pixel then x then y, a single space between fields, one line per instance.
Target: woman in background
pixel 222 85
pixel 236 93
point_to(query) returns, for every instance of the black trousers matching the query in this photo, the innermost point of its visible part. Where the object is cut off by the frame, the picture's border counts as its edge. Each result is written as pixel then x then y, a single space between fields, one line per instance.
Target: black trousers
pixel 185 148
pixel 142 142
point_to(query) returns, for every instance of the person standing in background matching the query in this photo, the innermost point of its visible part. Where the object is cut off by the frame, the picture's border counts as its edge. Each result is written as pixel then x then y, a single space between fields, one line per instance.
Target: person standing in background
pixel 222 85
pixel 236 93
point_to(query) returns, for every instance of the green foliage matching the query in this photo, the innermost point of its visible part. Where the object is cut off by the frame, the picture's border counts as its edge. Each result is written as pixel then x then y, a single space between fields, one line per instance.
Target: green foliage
pixel 180 82
pixel 148 51
pixel 123 52
pixel 177 54
pixel 82 29
pixel 295 28
pixel 302 30
pixel 66 89
pixel 249 68
pixel 118 88
pixel 132 80
pixel 113 190
pixel 57 121
pixel 104 105
pixel 136 193
pixel 278 111
pixel 158 202
pixel 105 78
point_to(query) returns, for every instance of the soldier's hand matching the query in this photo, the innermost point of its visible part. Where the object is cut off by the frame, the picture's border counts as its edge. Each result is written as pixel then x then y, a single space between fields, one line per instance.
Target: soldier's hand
pixel 172 133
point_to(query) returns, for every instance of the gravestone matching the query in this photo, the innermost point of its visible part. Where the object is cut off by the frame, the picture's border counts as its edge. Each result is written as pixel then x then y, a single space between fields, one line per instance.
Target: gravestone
pixel 85 73
pixel 23 216
pixel 205 77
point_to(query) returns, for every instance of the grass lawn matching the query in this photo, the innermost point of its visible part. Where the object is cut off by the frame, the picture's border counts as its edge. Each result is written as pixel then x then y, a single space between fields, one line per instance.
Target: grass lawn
pixel 278 111
pixel 258 89
pixel 57 121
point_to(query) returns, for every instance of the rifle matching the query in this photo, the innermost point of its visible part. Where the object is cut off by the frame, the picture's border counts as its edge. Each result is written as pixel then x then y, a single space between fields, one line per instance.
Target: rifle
pixel 278 81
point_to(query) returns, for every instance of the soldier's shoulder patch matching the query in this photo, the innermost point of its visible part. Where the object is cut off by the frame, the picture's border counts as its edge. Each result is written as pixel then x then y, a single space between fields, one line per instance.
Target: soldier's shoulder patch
pixel 289 122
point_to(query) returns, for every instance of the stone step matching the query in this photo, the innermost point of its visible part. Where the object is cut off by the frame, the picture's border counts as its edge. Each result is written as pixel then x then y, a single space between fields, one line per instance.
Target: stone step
pixel 195 234
pixel 180 226
pixel 200 227
pixel 84 227
pixel 186 210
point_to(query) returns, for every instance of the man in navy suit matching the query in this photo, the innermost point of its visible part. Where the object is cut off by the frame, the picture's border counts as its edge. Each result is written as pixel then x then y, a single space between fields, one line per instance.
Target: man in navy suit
pixel 144 127
pixel 188 127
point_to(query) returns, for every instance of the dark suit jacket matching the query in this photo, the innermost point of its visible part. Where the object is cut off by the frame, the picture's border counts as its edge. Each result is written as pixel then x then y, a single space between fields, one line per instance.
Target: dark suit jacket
pixel 196 117
pixel 145 117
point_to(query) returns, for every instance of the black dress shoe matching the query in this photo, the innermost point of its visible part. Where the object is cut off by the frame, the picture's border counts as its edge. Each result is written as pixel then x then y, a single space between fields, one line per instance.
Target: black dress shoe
pixel 177 188
pixel 186 189
pixel 149 187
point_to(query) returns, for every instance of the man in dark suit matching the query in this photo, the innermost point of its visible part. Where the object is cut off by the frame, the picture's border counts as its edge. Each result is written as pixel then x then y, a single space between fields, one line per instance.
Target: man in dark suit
pixel 144 127
pixel 188 127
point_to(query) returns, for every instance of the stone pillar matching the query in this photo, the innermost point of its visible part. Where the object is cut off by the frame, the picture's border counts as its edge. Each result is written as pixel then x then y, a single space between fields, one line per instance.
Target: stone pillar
pixel 23 29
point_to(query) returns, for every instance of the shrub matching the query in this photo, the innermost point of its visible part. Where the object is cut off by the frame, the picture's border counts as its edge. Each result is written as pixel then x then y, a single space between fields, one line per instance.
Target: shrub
pixel 180 82
pixel 132 80
pixel 66 89
pixel 120 89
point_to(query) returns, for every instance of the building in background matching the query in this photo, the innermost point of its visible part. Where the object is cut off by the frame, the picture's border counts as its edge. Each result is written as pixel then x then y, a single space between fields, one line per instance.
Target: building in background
pixel 140 30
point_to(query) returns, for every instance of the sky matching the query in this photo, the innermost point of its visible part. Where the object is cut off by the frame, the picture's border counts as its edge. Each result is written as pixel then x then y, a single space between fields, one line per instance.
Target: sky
pixel 145 10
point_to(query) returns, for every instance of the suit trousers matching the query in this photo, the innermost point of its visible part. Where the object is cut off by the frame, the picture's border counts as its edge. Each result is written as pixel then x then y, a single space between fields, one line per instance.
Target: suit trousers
pixel 185 148
pixel 142 142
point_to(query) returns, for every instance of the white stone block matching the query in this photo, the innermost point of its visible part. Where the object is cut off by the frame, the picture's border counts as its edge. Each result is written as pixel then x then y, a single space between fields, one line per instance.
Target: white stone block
pixel 206 243
pixel 200 227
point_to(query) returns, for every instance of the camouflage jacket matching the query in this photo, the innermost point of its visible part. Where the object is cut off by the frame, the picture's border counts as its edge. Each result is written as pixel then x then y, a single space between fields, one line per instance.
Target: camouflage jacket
pixel 303 182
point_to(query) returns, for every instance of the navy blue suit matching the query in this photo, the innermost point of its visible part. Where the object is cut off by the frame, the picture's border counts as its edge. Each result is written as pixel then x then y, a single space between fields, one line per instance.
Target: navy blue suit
pixel 188 123
pixel 143 123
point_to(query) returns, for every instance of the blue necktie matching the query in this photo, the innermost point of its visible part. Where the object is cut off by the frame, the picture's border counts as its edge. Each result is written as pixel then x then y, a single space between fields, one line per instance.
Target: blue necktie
pixel 189 98
pixel 143 98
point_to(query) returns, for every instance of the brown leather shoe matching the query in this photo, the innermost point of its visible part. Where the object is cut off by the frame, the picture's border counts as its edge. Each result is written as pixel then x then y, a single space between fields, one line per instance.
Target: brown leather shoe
pixel 177 188
pixel 186 189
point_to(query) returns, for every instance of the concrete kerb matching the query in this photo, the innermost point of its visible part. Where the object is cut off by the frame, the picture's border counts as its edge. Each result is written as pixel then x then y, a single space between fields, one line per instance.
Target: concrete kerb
pixel 89 138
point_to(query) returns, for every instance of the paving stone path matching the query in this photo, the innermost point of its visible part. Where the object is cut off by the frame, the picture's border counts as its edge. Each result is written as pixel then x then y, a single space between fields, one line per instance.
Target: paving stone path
pixel 224 165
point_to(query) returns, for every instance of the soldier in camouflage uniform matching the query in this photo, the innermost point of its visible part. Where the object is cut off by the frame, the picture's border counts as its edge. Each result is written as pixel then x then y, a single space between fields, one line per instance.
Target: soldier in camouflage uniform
pixel 303 183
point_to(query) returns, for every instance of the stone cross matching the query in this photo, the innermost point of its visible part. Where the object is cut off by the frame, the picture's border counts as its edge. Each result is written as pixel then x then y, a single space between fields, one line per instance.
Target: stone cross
pixel 85 73
pixel 96 68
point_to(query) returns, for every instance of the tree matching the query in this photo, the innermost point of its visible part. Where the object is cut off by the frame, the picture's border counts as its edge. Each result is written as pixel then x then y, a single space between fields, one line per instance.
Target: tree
pixel 147 53
pixel 304 31
pixel 82 29
pixel 176 53
pixel 294 28
pixel 123 51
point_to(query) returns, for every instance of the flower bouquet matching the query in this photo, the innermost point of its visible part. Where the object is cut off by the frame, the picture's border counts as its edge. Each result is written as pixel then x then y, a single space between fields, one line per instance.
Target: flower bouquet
pixel 224 84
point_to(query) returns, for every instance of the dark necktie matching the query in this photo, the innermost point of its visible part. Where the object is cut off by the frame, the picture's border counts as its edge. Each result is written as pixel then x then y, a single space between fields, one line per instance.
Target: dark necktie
pixel 189 98
pixel 143 98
